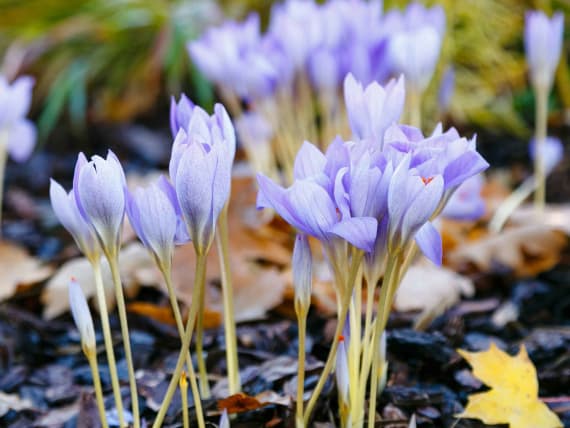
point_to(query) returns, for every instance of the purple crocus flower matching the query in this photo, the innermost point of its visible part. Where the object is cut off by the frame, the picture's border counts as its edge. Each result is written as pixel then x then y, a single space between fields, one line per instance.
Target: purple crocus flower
pixel 152 212
pixel 67 212
pixel 82 316
pixel 224 53
pixel 552 152
pixel 17 133
pixel 315 204
pixel 372 110
pixel 302 265
pixel 412 200
pixel 466 203
pixel 99 187
pixel 415 42
pixel 543 45
pixel 200 168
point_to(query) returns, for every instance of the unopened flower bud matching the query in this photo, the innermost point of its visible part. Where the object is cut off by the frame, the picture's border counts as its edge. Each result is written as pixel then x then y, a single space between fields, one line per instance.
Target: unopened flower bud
pixel 302 272
pixel 224 420
pixel 82 316
pixel 342 376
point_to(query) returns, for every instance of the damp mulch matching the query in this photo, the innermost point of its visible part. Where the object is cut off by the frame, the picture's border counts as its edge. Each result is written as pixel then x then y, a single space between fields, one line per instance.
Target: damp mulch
pixel 41 364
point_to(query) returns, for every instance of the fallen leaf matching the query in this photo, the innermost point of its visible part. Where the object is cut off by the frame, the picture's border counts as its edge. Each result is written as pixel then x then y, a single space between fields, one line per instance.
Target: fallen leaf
pixel 513 398
pixel 555 216
pixel 163 314
pixel 426 286
pixel 527 250
pixel 240 403
pixel 19 269
pixel 133 258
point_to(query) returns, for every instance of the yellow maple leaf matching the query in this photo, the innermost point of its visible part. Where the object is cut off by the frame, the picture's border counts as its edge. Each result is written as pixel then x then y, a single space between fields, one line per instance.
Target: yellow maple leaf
pixel 513 397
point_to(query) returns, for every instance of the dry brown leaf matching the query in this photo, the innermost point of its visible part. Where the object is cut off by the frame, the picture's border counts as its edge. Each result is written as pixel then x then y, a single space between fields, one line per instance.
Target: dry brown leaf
pixel 240 403
pixel 426 287
pixel 555 216
pixel 13 402
pixel 527 250
pixel 163 314
pixel 19 269
pixel 133 258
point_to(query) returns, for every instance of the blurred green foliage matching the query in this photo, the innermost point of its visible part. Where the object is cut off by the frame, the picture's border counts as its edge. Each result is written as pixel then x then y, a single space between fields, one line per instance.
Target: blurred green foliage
pixel 102 60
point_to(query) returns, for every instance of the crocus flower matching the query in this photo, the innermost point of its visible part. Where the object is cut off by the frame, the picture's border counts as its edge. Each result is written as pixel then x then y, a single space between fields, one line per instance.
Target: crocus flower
pixel 372 110
pixel 313 204
pixel 302 265
pixel 152 212
pixel 67 212
pixel 200 168
pixel 466 203
pixel 543 45
pixel 180 113
pixel 99 187
pixel 412 199
pixel 17 133
pixel 81 316
pixel 224 53
pixel 415 42
pixel 552 152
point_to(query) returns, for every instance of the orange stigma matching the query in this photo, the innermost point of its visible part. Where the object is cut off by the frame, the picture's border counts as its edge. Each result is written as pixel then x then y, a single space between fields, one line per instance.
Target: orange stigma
pixel 341 338
pixel 427 180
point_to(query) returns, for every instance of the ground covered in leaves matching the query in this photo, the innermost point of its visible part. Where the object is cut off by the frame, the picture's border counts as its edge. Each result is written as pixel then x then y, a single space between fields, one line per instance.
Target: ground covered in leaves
pixel 45 380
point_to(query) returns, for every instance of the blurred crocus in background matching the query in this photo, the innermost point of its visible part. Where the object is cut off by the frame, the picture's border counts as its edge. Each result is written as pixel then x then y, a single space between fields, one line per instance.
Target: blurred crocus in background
pixel 416 36
pixel 17 134
pixel 543 45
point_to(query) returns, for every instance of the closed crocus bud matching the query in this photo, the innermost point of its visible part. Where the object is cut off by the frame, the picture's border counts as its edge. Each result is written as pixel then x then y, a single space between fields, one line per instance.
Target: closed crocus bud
pixel 17 133
pixel 153 217
pixel 302 272
pixel 99 187
pixel 342 375
pixel 373 109
pixel 200 168
pixel 543 45
pixel 67 212
pixel 82 316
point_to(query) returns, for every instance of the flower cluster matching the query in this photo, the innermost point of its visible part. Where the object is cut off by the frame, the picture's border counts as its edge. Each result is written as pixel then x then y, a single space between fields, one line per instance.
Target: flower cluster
pixel 17 133
pixel 323 42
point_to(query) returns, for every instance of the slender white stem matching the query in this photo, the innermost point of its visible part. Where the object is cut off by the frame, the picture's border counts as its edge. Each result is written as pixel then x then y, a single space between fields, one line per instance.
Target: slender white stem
pixel 222 243
pixel 540 132
pixel 108 339
pixel 92 359
pixel 112 258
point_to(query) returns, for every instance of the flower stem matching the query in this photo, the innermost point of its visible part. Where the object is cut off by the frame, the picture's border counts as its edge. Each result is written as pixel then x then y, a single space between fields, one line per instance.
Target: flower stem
pixel 92 359
pixel 199 284
pixel 540 131
pixel 184 395
pixel 346 295
pixel 415 107
pixel 114 265
pixel 302 327
pixel 108 339
pixel 202 371
pixel 222 243
pixel 167 274
pixel 389 284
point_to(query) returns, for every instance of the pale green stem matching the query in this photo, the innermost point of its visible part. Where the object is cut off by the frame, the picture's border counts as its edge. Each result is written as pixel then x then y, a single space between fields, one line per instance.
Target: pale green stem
pixel 540 132
pixel 222 243
pixel 389 283
pixel 302 324
pixel 415 107
pixel 199 284
pixel 510 204
pixel 114 265
pixel 167 274
pixel 346 294
pixel 92 359
pixel 202 371
pixel 3 158
pixel 184 395
pixel 108 339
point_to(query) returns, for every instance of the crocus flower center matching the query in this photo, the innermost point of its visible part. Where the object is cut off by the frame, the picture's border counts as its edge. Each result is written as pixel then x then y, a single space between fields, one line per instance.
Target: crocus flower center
pixel 427 180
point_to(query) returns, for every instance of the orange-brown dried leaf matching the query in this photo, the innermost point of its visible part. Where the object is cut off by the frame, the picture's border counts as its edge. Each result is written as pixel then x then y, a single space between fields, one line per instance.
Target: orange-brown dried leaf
pixel 19 269
pixel 240 403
